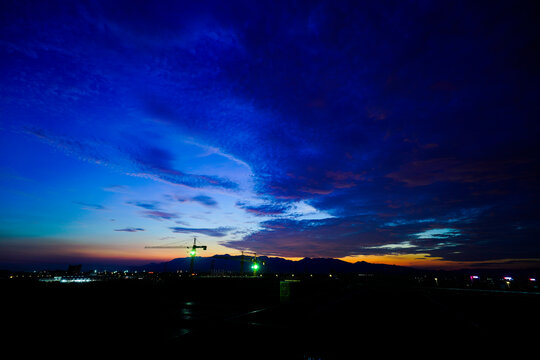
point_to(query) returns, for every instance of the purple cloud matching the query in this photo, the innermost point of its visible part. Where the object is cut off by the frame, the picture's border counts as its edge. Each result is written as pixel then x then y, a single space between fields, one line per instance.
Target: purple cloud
pixel 264 210
pixel 154 205
pixel 159 215
pixel 130 229
pixel 205 200
pixel 157 163
pixel 201 199
pixel 216 232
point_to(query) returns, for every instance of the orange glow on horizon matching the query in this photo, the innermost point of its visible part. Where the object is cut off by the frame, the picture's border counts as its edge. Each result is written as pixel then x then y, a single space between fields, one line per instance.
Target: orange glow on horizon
pixel 56 250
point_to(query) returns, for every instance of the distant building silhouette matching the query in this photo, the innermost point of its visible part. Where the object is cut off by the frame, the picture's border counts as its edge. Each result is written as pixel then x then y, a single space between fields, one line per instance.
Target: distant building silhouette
pixel 74 269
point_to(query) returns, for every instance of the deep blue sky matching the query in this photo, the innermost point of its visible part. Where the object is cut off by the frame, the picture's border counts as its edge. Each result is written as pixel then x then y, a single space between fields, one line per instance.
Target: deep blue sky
pixel 401 132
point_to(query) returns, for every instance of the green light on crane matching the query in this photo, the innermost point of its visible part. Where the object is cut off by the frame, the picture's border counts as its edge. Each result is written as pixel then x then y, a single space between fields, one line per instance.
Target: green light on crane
pixel 192 252
pixel 255 266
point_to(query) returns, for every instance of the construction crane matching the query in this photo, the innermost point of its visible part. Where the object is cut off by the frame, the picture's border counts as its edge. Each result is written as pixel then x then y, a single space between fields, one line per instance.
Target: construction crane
pixel 255 263
pixel 192 252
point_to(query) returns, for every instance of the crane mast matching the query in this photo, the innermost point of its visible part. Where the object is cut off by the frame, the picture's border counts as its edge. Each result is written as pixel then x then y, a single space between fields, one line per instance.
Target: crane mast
pixel 255 263
pixel 192 252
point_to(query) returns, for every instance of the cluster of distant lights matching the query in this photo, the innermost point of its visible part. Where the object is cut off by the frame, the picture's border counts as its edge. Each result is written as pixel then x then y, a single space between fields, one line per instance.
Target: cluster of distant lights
pixel 507 278
pixel 65 280
pixel 255 267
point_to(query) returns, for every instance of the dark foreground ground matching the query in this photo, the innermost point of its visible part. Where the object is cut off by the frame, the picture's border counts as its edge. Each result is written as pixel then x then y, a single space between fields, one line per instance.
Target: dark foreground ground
pixel 245 318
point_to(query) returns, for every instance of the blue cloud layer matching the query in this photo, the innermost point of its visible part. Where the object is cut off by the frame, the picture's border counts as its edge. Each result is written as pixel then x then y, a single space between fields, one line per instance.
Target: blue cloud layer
pixel 396 118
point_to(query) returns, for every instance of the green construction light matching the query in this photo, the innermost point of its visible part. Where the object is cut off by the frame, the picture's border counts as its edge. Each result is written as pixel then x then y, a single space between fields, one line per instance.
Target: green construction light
pixel 255 266
pixel 192 252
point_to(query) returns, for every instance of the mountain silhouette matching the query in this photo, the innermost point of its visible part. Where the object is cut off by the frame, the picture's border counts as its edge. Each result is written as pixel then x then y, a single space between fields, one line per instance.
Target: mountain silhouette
pixel 233 264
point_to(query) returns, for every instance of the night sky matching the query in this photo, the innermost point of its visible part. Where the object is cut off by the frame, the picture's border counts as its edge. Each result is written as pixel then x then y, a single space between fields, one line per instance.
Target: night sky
pixel 398 132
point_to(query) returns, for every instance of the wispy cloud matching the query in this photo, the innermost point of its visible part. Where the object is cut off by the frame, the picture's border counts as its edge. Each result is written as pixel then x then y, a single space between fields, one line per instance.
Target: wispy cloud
pixel 130 229
pixel 153 210
pixel 84 149
pixel 147 162
pixel 265 209
pixel 205 200
pixel 159 215
pixel 215 232
pixel 437 233
pixel 152 205
pixel 154 162
pixel 201 199
pixel 89 206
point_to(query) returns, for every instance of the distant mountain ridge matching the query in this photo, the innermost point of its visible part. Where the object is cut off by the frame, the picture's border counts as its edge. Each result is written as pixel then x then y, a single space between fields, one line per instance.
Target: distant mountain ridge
pixel 232 263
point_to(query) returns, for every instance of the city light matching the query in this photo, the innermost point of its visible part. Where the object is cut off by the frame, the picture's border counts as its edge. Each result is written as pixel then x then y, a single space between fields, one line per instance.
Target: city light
pixel 65 280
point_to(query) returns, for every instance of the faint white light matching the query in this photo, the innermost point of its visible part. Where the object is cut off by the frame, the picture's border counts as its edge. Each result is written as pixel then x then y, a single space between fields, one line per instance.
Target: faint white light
pixel 508 278
pixel 532 279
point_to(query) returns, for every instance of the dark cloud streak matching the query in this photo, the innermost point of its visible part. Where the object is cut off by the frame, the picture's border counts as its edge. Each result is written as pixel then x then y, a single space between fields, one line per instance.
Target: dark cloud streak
pixel 130 229
pixel 215 232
